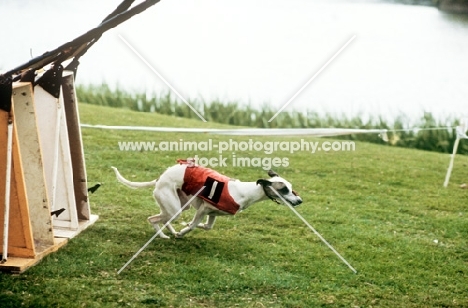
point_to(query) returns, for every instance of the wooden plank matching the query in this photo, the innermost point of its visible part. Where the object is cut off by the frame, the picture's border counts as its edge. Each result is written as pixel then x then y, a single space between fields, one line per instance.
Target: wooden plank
pixel 16 265
pixel 22 197
pixel 20 238
pixel 76 147
pixel 57 161
pixel 23 211
pixel 31 157
pixel 82 225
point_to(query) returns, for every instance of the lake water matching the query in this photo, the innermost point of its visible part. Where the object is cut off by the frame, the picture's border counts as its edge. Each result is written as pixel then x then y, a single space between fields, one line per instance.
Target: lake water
pixel 404 59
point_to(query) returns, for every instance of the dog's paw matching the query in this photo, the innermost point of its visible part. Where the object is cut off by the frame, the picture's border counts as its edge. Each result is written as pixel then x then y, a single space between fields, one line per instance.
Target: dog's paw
pixel 164 236
pixel 179 235
pixel 204 227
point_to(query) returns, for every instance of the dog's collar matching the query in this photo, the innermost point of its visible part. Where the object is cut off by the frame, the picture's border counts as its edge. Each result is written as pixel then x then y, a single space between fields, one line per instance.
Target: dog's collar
pixel 268 195
pixel 274 199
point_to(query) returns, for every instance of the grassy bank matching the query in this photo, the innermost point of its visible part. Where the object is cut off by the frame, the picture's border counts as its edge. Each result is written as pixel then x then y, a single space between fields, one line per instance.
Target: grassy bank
pixel 383 208
pixel 236 113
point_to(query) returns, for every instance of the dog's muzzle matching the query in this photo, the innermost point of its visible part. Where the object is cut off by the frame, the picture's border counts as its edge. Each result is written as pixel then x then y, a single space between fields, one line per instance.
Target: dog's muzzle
pixel 275 197
pixel 298 199
pixel 297 202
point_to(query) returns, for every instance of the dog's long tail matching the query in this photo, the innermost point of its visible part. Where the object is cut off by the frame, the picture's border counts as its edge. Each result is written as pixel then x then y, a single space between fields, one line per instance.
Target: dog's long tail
pixel 133 185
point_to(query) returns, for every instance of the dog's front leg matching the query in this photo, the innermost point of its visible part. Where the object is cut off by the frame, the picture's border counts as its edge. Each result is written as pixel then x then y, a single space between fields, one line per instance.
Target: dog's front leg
pixel 171 229
pixel 199 215
pixel 209 223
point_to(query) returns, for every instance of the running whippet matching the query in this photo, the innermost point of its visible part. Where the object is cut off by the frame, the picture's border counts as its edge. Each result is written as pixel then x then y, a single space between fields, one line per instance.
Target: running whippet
pixel 220 195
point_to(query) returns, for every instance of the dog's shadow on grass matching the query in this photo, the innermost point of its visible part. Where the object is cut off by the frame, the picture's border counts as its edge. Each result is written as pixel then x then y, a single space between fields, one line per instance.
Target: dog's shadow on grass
pixel 208 246
pixel 221 247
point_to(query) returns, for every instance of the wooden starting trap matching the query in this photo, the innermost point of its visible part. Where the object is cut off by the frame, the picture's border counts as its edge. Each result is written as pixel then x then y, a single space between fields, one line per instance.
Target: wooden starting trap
pixel 42 167
pixel 42 171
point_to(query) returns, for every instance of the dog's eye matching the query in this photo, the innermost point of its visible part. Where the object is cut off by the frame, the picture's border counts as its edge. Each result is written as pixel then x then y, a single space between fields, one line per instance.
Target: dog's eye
pixel 284 190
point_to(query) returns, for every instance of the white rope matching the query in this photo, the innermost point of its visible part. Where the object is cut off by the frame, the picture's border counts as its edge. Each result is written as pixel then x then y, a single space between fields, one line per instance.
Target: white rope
pixel 318 132
pixel 315 231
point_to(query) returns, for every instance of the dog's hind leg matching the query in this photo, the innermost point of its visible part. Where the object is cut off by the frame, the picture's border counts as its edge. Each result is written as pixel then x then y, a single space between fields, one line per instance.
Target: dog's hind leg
pixel 155 221
pixel 169 203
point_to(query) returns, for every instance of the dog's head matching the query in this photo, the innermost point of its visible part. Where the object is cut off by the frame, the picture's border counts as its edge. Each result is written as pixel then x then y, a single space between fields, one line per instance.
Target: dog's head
pixel 277 185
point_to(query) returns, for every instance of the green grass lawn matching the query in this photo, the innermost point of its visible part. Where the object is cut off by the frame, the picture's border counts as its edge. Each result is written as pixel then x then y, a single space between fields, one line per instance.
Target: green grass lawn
pixel 383 208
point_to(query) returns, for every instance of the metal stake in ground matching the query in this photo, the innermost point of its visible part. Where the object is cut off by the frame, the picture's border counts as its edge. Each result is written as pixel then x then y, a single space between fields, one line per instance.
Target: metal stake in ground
pixel 313 230
pixel 160 230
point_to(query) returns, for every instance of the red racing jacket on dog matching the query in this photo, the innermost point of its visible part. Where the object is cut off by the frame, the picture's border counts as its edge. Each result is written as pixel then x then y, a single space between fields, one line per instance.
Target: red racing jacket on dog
pixel 216 187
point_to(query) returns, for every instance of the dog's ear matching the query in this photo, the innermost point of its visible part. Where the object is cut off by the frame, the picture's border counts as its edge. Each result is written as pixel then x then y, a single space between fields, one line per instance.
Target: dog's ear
pixel 263 182
pixel 271 173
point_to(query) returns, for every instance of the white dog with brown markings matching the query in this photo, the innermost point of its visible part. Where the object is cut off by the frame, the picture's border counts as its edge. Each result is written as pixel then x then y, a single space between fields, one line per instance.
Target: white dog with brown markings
pixel 220 194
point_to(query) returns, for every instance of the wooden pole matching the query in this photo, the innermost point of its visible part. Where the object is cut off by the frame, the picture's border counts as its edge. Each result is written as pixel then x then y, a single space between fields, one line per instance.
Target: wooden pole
pixel 6 217
pixel 449 171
